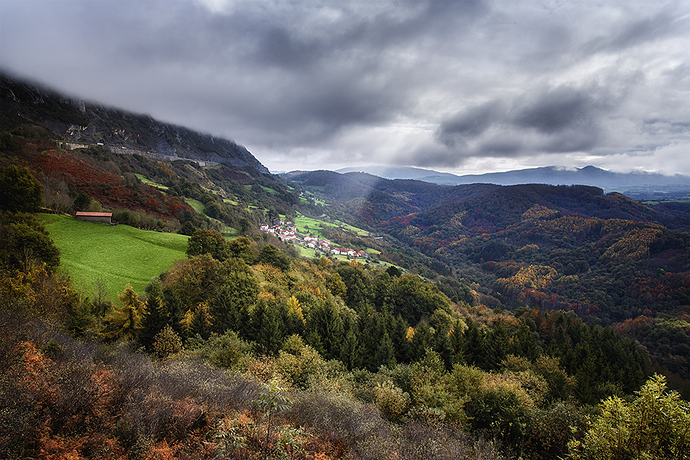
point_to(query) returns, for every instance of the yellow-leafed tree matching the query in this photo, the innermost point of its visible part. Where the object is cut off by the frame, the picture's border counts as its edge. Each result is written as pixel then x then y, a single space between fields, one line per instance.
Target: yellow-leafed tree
pixel 124 322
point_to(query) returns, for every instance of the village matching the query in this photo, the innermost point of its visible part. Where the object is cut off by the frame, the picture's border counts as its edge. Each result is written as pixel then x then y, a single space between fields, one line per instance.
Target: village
pixel 286 231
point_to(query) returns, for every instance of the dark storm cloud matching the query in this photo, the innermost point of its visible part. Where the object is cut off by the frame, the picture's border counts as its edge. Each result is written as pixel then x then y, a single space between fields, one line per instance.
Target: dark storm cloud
pixel 501 148
pixel 558 109
pixel 551 120
pixel 469 123
pixel 637 31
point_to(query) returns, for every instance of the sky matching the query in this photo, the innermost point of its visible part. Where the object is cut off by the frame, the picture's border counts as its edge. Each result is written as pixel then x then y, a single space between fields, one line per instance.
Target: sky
pixel 462 86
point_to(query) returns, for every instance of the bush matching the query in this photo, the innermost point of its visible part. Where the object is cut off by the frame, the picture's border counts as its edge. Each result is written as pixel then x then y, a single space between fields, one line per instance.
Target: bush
pixel 656 424
pixel 167 342
pixel 391 401
pixel 297 364
pixel 550 430
pixel 227 351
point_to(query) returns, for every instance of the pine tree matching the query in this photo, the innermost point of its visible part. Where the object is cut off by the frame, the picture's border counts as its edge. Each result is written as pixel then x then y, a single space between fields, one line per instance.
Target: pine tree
pixel 423 338
pixel 238 292
pixel 202 322
pixel 268 329
pixel 325 321
pixel 385 354
pixel 154 320
pixel 349 351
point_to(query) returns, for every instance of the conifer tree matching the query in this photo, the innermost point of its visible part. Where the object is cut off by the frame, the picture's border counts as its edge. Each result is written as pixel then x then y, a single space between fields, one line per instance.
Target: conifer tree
pixel 238 292
pixel 349 351
pixel 202 322
pixel 370 332
pixel 292 316
pixel 423 338
pixel 325 321
pixel 385 354
pixel 268 330
pixel 153 321
pixel 124 322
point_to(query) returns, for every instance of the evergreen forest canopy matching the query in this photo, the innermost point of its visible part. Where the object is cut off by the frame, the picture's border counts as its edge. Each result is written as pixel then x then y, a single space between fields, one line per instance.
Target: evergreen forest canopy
pixel 488 322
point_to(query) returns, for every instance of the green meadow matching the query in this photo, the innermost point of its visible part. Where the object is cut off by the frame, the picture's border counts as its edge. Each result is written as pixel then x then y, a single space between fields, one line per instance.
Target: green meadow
pixel 197 205
pixel 112 255
pixel 148 181
pixel 310 226
pixel 269 190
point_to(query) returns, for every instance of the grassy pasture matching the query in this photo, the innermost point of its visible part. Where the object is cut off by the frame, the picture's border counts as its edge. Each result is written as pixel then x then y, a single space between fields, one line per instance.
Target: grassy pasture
pixel 197 205
pixel 115 255
pixel 148 181
pixel 309 226
pixel 269 190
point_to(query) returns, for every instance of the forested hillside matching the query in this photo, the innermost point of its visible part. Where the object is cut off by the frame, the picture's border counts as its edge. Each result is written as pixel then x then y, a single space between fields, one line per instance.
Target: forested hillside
pixel 485 322
pixel 610 259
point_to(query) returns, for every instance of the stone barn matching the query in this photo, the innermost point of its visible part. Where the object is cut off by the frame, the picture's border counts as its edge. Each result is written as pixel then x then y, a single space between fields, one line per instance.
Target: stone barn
pixel 104 217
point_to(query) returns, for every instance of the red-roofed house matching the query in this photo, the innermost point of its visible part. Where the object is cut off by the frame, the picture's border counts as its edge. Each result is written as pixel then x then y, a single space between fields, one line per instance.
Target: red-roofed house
pixel 104 217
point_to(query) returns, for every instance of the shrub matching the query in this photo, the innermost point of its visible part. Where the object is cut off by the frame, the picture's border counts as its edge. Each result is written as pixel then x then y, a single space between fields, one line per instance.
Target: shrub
pixel 227 350
pixel 550 430
pixel 297 366
pixel 656 424
pixel 391 400
pixel 167 342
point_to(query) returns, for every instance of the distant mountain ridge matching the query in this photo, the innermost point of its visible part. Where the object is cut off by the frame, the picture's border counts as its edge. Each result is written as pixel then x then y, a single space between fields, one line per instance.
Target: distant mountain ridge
pixel 376 200
pixel 81 124
pixel 550 175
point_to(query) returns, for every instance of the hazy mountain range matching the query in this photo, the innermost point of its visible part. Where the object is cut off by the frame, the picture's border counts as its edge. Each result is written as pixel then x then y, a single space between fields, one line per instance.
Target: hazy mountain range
pixel 552 175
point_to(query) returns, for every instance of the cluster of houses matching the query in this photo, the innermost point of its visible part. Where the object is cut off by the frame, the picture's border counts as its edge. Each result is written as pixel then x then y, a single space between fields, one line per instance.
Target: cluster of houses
pixel 287 232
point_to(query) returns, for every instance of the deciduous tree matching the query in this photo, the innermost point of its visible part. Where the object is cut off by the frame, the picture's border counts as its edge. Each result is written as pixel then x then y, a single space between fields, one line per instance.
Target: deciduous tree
pixel 124 322
pixel 19 190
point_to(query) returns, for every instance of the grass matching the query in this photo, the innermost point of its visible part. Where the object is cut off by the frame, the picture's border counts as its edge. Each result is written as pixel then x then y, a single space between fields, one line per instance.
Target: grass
pixel 269 190
pixel 114 255
pixel 224 229
pixel 148 181
pixel 197 205
pixel 305 252
pixel 309 226
pixel 355 230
